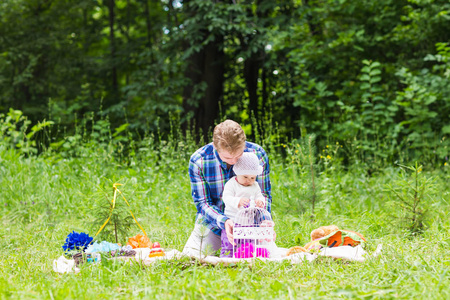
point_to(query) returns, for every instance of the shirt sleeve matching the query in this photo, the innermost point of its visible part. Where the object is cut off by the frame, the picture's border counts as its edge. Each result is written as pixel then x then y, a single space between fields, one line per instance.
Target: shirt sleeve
pixel 229 197
pixel 264 180
pixel 202 199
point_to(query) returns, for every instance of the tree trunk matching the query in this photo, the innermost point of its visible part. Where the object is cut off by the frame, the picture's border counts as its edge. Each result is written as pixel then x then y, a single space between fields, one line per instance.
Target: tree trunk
pixel 111 5
pixel 264 99
pixel 251 74
pixel 252 66
pixel 205 66
pixel 172 13
pixel 148 23
pixel 314 26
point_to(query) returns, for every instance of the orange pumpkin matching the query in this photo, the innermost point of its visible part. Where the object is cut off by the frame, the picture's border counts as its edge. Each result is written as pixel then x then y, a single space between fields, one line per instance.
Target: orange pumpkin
pixel 140 241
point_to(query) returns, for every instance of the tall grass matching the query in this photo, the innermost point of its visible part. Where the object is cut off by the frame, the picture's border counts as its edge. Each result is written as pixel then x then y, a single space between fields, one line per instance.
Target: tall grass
pixel 45 197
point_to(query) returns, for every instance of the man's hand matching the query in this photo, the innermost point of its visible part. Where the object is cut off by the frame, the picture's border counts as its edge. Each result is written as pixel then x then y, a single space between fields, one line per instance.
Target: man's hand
pixel 229 229
pixel 243 202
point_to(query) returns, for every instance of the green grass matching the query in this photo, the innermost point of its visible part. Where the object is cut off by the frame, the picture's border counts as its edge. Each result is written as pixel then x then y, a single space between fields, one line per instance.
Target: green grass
pixel 44 198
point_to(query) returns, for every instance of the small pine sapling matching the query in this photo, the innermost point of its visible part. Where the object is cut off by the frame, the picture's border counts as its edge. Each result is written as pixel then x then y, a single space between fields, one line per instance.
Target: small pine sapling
pixel 120 222
pixel 308 156
pixel 412 194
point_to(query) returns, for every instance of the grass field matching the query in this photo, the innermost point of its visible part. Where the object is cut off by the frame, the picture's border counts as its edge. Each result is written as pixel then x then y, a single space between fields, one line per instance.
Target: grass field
pixel 44 198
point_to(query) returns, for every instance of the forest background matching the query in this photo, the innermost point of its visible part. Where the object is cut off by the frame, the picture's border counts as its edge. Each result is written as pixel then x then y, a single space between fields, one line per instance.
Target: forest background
pixel 350 99
pixel 371 75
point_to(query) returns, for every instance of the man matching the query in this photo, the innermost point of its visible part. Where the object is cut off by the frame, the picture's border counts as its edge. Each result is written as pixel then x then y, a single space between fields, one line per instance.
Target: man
pixel 210 167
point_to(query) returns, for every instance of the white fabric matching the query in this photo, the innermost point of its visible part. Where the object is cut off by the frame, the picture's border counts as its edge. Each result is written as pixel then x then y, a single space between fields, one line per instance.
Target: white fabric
pixel 141 253
pixel 64 265
pixel 202 237
pixel 233 192
pixel 346 252
pixel 248 164
pixel 358 254
pixel 349 253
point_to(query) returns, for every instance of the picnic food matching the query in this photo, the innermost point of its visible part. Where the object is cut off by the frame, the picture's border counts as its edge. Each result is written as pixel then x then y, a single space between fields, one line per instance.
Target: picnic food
pixel 156 250
pixel 331 236
pixel 323 231
pixel 295 249
pixel 318 234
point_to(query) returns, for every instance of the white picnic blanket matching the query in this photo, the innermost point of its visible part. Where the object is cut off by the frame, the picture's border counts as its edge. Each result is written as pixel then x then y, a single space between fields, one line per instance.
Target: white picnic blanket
pixel 358 254
pixel 344 252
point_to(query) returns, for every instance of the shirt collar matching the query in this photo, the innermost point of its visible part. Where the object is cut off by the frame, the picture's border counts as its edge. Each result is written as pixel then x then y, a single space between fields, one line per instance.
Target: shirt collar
pixel 222 163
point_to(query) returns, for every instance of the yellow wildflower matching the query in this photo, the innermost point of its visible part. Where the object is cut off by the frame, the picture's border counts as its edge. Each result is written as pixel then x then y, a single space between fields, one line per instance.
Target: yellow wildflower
pixel 329 157
pixel 296 151
pixel 328 146
pixel 445 164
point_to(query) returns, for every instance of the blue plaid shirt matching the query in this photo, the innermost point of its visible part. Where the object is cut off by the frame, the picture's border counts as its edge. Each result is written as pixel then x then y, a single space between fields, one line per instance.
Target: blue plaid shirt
pixel 208 174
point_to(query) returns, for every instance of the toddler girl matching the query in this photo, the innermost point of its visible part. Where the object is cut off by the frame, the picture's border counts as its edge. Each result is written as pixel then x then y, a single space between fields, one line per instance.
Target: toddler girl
pixel 238 192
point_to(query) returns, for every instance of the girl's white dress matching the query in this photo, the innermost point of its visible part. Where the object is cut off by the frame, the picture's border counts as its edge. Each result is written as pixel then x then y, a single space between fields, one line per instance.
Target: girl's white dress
pixel 234 191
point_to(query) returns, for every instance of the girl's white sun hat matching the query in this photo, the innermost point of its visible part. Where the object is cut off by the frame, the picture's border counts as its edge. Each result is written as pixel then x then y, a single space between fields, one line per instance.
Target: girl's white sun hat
pixel 248 164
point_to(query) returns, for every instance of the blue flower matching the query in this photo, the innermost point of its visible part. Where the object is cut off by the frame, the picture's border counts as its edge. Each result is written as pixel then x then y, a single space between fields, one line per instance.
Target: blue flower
pixel 77 241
